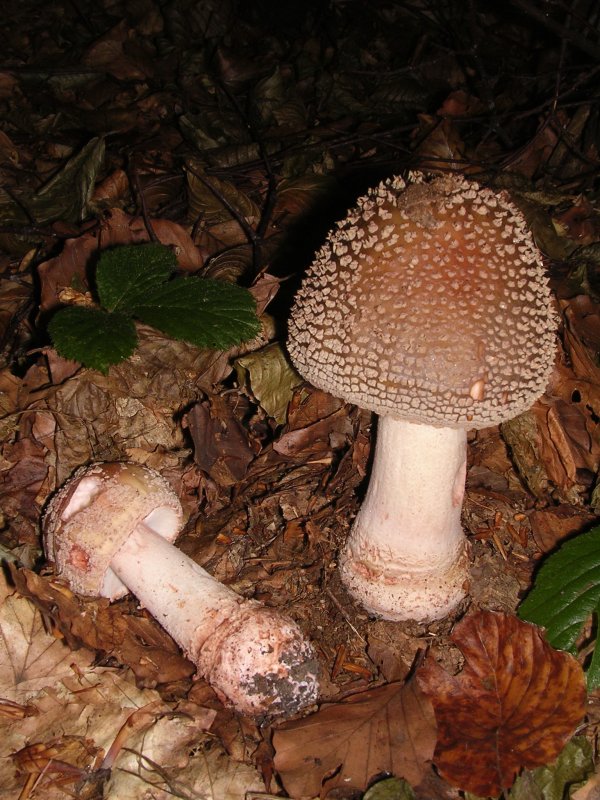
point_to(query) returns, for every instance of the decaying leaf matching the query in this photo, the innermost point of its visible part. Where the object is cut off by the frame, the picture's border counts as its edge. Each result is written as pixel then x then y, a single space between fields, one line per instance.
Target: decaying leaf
pixel 138 642
pixel 222 446
pixel 216 200
pixel 552 525
pixel 574 765
pixel 176 759
pixel 389 789
pixel 347 744
pixel 28 656
pixel 270 377
pixel 514 705
pixel 69 719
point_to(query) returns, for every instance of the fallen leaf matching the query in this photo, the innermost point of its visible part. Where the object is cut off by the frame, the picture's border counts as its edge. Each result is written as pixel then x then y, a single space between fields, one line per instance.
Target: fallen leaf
pixel 137 641
pixel 390 789
pixel 270 378
pixel 76 712
pixel 175 758
pixel 591 790
pixel 222 447
pixel 574 765
pixel 566 594
pixel 514 705
pixel 550 526
pixel 347 744
pixel 28 656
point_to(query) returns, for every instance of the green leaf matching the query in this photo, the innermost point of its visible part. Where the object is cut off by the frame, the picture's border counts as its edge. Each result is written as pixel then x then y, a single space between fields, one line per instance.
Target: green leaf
pixel 125 275
pixel 573 766
pixel 566 591
pixel 202 311
pixel 593 670
pixel 94 337
pixel 390 789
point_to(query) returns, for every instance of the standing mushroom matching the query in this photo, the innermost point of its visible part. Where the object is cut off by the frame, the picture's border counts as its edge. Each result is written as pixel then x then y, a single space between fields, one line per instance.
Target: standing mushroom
pixel 428 305
pixel 109 531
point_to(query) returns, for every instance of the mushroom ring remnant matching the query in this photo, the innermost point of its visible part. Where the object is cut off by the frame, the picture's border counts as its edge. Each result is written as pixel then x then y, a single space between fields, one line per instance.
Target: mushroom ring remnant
pixel 109 531
pixel 428 305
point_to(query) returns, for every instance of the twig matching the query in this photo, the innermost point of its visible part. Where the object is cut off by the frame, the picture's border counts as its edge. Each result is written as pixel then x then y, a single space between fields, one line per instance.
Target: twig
pixel 573 37
pixel 151 232
pixel 342 611
pixel 239 218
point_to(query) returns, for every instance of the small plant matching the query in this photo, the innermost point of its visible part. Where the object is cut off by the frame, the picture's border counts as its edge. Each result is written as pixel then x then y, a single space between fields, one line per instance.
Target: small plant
pixel 135 282
pixel 566 594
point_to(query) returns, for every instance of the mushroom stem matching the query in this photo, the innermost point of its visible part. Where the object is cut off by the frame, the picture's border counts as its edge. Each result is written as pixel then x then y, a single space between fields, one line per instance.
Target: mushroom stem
pixel 406 556
pixel 181 596
pixel 254 657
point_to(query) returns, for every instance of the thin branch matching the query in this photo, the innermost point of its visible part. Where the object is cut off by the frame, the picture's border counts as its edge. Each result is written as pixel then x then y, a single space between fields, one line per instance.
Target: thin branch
pixel 575 38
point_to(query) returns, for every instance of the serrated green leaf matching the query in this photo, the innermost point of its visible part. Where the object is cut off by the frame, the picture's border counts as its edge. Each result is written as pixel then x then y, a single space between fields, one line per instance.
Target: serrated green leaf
pixel 125 275
pixel 94 337
pixel 270 377
pixel 390 789
pixel 566 591
pixel 573 766
pixel 202 311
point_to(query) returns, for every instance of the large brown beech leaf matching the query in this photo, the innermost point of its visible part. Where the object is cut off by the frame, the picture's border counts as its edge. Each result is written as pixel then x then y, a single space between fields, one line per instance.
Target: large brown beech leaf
pixel 346 744
pixel 514 705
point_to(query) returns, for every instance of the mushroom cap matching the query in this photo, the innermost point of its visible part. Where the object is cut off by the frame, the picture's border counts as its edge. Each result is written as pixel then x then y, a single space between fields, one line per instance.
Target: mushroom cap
pixel 93 514
pixel 429 303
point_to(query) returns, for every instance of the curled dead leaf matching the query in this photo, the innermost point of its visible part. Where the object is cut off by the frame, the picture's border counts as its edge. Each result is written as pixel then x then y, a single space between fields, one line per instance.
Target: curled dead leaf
pixel 514 705
pixel 387 729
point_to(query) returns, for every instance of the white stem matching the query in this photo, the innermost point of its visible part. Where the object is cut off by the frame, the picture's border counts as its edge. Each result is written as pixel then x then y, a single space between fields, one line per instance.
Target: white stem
pixel 406 554
pixel 181 596
pixel 254 657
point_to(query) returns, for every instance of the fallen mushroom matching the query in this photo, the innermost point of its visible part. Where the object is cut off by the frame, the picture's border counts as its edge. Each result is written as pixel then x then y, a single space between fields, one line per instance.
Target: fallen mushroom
pixel 109 531
pixel 429 306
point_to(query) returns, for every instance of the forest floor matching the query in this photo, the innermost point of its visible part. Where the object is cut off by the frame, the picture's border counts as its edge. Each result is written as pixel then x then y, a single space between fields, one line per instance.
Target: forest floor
pixel 238 134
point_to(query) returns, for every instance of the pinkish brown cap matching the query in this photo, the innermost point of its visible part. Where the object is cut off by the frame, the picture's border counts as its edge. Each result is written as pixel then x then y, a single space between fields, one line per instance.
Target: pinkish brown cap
pixel 429 303
pixel 94 513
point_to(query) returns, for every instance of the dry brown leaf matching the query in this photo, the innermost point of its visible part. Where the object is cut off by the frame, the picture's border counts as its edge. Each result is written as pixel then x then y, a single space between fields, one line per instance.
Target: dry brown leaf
pixel 75 712
pixel 28 656
pixel 579 222
pixel 137 641
pixel 113 53
pixel 346 744
pixel 222 446
pixel 439 142
pixel 550 526
pixel 175 758
pixel 316 423
pixel 514 705
pixel 582 338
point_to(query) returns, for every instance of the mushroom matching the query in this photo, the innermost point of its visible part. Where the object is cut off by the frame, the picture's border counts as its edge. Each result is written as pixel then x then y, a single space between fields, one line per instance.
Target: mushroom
pixel 428 305
pixel 109 531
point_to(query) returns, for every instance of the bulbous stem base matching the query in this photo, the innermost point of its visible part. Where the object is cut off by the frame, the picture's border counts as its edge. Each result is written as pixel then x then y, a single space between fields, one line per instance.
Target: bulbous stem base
pixel 407 556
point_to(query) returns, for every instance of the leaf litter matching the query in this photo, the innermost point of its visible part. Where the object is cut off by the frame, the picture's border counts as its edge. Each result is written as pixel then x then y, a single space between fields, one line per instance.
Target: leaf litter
pixel 284 124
